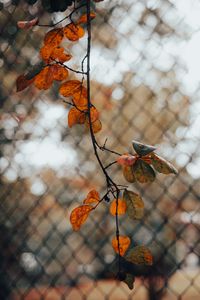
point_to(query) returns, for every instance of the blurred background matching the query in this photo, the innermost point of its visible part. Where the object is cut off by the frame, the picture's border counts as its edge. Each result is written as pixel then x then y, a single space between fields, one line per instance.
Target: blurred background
pixel 145 81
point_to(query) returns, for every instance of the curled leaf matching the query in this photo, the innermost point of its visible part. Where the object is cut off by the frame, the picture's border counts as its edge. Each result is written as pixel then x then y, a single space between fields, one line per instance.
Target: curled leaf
pixel 140 255
pixel 121 209
pixel 73 32
pixel 124 243
pixel 92 197
pixel 126 160
pixel 75 117
pixel 79 215
pixel 27 24
pixel 128 173
pixel 135 204
pixel 83 18
pixel 161 165
pixel 142 149
pixel 143 172
pixel 129 280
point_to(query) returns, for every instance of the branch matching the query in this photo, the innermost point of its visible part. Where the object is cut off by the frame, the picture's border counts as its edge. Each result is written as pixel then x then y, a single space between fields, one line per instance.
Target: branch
pixel 66 17
pixel 110 183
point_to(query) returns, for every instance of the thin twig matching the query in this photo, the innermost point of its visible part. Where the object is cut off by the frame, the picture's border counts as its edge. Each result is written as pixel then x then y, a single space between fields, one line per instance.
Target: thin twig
pixel 66 17
pixel 111 185
pixel 110 164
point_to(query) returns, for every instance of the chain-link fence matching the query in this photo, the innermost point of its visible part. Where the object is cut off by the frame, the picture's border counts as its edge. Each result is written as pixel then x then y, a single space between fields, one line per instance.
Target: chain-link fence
pixel 145 82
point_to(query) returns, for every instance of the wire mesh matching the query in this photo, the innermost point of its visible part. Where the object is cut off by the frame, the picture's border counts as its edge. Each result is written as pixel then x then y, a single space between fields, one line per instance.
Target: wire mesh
pixel 145 83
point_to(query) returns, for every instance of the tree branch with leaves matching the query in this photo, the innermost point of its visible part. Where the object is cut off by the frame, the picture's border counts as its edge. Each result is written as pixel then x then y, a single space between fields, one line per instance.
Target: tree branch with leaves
pixel 139 166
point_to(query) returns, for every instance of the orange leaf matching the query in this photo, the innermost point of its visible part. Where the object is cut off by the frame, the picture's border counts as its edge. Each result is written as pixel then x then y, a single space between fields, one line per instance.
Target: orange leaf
pixel 49 54
pixel 92 197
pixel 27 24
pixel 79 216
pixel 83 18
pixel 80 97
pixel 121 207
pixel 59 72
pixel 58 53
pixel 23 83
pixel 54 37
pixel 73 32
pixel 44 79
pixel 94 113
pixel 96 126
pixel 75 117
pixel 68 88
pixel 126 160
pixel 124 243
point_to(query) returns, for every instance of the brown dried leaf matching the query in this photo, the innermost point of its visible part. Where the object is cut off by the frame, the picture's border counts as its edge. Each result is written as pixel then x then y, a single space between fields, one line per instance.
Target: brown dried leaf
pixel 128 173
pixel 143 172
pixel 139 255
pixel 135 204
pixel 22 83
pixel 161 165
pixel 129 280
